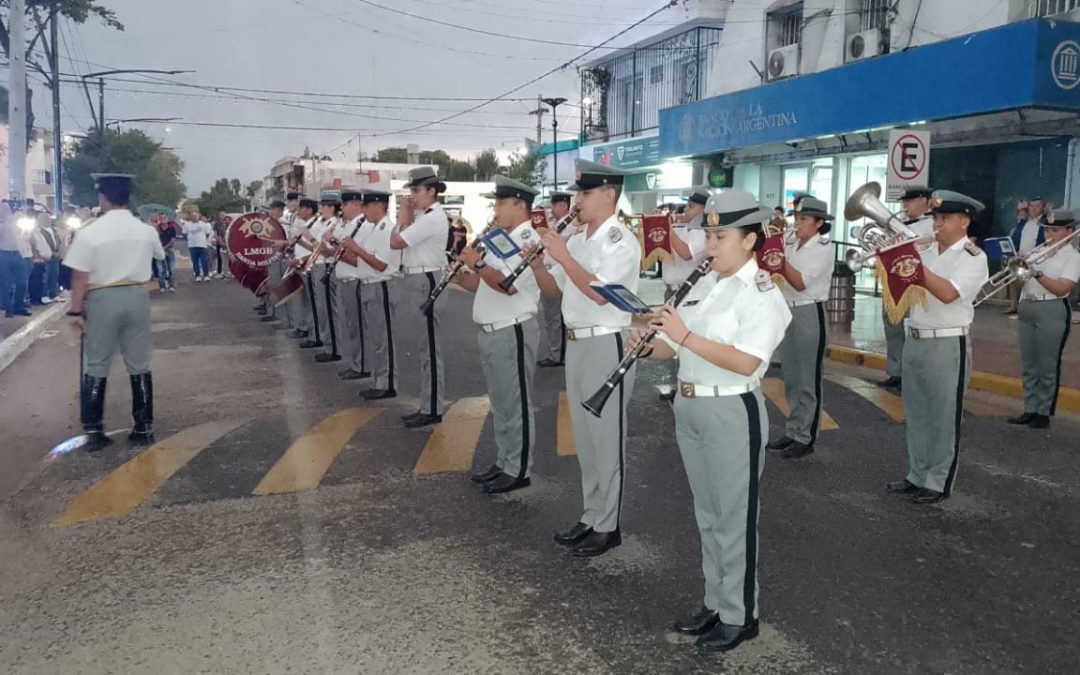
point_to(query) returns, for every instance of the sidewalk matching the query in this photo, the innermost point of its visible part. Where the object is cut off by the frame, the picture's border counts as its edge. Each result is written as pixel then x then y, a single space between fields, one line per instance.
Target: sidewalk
pixel 18 333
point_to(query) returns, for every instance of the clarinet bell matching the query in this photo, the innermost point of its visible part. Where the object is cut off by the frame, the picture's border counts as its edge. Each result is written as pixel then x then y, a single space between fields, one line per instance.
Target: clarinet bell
pixel 595 403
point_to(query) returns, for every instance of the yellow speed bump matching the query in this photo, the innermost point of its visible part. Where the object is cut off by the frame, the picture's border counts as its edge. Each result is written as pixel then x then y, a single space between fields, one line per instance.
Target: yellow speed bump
pixel 452 444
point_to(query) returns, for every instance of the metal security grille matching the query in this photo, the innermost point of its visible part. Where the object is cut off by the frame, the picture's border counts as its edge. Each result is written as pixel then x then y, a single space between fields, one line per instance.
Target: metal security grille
pixel 875 14
pixel 791 24
pixel 1052 7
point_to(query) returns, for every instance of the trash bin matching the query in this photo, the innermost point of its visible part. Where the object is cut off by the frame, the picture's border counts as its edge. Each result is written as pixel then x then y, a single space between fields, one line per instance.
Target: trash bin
pixel 840 307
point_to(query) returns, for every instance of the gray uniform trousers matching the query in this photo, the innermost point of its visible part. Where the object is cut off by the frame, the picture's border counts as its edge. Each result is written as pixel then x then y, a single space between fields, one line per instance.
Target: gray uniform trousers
pixel 414 290
pixel 1044 329
pixel 894 344
pixel 117 318
pixel 721 441
pixel 299 308
pixel 508 357
pixel 802 355
pixel 936 374
pixel 378 327
pixel 554 329
pixel 274 272
pixel 601 443
pixel 348 322
pixel 318 273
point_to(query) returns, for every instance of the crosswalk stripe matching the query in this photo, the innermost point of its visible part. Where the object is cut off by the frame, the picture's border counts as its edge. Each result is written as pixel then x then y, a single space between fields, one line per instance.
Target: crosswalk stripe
pixel 132 482
pixel 309 457
pixel 565 429
pixel 889 403
pixel 452 445
pixel 773 388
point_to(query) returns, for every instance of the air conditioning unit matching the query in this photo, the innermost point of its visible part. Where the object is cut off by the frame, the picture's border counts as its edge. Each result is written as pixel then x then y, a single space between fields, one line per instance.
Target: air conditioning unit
pixel 783 62
pixel 865 44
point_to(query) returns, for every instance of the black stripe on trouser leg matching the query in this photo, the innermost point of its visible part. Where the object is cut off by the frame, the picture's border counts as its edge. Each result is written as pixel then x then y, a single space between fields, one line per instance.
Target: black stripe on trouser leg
pixel 753 419
pixel 1061 350
pixel 389 332
pixel 432 360
pixel 519 339
pixel 562 336
pixel 958 415
pixel 818 372
pixel 314 306
pixel 330 313
pixel 360 320
pixel 622 408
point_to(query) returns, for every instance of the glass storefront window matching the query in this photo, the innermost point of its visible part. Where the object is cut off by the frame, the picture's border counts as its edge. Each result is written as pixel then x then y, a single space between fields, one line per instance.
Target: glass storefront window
pixel 863 169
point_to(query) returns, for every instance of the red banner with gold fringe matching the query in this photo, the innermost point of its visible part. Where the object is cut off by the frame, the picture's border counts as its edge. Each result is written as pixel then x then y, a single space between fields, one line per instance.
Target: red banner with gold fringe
pixel 902 277
pixel 771 258
pixel 654 234
pixel 539 219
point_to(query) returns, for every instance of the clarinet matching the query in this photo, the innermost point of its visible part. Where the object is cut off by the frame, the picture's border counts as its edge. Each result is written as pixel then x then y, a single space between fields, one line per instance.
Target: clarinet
pixel 595 403
pixel 448 276
pixel 332 265
pixel 506 283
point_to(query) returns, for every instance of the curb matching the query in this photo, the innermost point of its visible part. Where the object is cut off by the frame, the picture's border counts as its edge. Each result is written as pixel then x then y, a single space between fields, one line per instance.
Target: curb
pixel 1002 385
pixel 20 340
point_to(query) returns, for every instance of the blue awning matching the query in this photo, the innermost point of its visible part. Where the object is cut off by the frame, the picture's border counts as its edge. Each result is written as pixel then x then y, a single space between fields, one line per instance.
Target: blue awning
pixel 1032 64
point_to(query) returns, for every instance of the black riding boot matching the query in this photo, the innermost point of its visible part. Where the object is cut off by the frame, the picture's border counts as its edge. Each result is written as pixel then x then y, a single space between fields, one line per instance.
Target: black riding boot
pixel 92 412
pixel 142 408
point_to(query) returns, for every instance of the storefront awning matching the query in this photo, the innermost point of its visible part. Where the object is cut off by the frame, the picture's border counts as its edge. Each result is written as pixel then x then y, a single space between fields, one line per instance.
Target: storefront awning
pixel 1033 64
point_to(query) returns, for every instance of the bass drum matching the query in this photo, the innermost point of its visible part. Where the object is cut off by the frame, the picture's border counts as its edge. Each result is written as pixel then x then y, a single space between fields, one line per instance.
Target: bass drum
pixel 284 290
pixel 250 278
pixel 251 241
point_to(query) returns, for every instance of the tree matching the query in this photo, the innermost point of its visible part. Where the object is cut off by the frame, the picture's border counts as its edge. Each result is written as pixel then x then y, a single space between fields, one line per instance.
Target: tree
pixel 487 164
pixel 527 168
pixel 225 195
pixel 449 168
pixel 156 170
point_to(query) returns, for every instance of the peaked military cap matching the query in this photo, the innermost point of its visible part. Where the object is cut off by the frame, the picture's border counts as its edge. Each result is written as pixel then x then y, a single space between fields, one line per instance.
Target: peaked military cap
pixel 115 186
pixel 1059 218
pixel 811 206
pixel 330 199
pixel 560 197
pixel 700 196
pixel 376 197
pixel 590 175
pixel 351 195
pixel 292 196
pixel 277 204
pixel 506 188
pixel 947 201
pixel 731 208
pixel 308 202
pixel 915 191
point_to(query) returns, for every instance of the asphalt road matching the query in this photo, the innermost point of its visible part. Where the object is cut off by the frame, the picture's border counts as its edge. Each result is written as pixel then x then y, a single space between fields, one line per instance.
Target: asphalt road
pixel 385 567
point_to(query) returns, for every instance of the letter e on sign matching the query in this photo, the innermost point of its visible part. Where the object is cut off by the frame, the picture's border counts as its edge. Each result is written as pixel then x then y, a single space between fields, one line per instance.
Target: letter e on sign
pixel 909 161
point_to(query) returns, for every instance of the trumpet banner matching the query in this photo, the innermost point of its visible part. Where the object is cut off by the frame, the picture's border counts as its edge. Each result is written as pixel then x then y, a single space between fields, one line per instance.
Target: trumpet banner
pixel 771 258
pixel 654 234
pixel 902 277
pixel 539 219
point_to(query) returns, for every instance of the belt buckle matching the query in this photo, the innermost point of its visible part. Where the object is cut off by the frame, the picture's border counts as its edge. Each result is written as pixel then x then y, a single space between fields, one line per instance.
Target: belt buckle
pixel 686 389
pixel 570 334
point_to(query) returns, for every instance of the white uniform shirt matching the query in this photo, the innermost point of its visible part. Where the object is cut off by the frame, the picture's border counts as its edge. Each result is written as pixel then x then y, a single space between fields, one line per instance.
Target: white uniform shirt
pixel 375 239
pixel 287 219
pixel 568 231
pixel 113 248
pixel 613 256
pixel 1029 235
pixel 815 261
pixel 426 239
pixel 922 226
pixel 197 233
pixel 491 306
pixel 735 311
pixel 301 251
pixel 316 232
pixel 964 265
pixel 1064 264
pixel 676 269
pixel 345 230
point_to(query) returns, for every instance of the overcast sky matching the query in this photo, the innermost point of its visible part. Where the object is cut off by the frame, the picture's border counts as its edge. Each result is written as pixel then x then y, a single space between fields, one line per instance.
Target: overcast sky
pixel 346 47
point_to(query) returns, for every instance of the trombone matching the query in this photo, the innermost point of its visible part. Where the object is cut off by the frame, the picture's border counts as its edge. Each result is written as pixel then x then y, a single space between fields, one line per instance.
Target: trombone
pixel 1021 268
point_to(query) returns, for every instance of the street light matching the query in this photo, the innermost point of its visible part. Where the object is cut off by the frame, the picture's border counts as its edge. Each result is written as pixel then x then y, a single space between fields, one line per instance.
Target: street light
pixel 100 75
pixel 554 103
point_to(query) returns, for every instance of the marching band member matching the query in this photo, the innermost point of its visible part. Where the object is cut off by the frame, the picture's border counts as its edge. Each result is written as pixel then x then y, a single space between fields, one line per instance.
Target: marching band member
pixel 423 252
pixel 1044 321
pixel 724 333
pixel 276 269
pixel 508 337
pixel 916 205
pixel 808 266
pixel 554 328
pixel 323 230
pixel 288 222
pixel 347 305
pixel 937 354
pixel 602 251
pixel 300 306
pixel 111 260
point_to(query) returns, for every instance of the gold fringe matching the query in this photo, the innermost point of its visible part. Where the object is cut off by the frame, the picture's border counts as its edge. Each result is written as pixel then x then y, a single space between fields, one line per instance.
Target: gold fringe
pixel 657 255
pixel 779 280
pixel 897 310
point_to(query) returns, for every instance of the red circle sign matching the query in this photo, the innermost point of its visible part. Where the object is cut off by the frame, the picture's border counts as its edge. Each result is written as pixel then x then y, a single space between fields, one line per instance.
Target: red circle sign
pixel 250 239
pixel 908 157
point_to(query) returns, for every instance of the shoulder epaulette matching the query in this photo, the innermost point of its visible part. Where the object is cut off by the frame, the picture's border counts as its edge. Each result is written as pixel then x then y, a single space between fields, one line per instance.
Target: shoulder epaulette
pixel 972 248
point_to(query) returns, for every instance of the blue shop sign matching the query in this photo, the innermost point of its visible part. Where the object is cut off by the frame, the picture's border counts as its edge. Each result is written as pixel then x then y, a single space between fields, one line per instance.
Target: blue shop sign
pixel 1030 64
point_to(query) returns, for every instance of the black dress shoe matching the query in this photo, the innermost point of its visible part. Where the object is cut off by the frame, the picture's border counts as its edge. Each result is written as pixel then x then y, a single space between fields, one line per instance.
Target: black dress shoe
pixel 597 543
pixel 548 363
pixel 724 637
pixel 927 496
pixel 1022 419
pixel 297 334
pixel 901 487
pixel 668 396
pixel 95 441
pixel 350 374
pixel 491 474
pixel 423 421
pixel 268 318
pixel 506 483
pixel 377 394
pixel 797 450
pixel 699 624
pixel 327 358
pixel 310 344
pixel 412 416
pixel 891 382
pixel 779 446
pixel 1039 422
pixel 572 536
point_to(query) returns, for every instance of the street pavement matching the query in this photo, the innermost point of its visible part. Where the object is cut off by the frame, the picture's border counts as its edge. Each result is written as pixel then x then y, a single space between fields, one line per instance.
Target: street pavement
pixel 281 525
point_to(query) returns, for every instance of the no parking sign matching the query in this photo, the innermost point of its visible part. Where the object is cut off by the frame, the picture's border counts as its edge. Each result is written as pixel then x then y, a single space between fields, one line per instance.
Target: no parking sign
pixel 909 162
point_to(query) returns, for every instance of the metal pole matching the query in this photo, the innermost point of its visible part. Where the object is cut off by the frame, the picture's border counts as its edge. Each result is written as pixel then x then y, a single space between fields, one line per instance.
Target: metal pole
pixel 555 148
pixel 539 120
pixel 17 99
pixel 54 66
pixel 101 105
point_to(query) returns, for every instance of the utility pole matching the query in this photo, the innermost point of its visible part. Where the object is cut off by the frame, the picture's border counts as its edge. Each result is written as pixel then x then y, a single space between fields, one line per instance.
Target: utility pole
pixel 17 99
pixel 539 112
pixel 54 68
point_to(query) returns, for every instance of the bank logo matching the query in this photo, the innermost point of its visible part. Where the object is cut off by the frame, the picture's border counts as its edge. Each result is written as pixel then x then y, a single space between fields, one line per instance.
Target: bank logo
pixel 686 129
pixel 650 181
pixel 1065 65
pixel 619 151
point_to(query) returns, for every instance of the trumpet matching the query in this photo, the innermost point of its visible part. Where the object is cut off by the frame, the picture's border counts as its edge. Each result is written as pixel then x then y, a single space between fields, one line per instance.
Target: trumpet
pixel 526 260
pixel 595 403
pixel 1021 268
pixel 888 230
pixel 448 276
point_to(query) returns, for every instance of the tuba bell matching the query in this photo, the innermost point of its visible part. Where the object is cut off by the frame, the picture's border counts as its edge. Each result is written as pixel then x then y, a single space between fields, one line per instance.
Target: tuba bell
pixel 887 230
